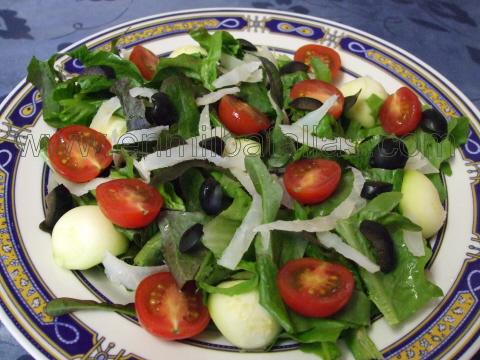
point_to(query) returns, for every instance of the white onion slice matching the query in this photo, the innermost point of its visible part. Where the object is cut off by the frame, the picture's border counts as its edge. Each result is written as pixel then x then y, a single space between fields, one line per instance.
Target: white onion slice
pixel 287 200
pixel 244 179
pixel 149 134
pixel 313 118
pixel 119 272
pixel 414 242
pixel 420 163
pixel 142 171
pixel 79 189
pixel 143 92
pixel 255 77
pixel 353 201
pixel 303 136
pixel 331 240
pixel 237 75
pixel 213 97
pixel 243 236
pixel 125 53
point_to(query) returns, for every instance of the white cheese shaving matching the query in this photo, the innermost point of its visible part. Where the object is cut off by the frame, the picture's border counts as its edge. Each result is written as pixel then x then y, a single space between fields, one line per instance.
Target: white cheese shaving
pixel 119 272
pixel 237 75
pixel 414 242
pixel 213 97
pixel 303 136
pixel 331 240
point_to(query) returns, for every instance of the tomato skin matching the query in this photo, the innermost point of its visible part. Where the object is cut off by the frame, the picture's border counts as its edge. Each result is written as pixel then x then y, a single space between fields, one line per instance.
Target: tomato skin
pixel 79 153
pixel 145 61
pixel 168 312
pixel 315 288
pixel 401 112
pixel 129 203
pixel 310 181
pixel 328 55
pixel 240 118
pixel 321 91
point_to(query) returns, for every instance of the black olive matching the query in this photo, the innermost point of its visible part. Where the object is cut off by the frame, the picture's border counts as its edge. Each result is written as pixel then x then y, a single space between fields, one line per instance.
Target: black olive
pixel 211 197
pixel 58 202
pixel 162 111
pixel 381 241
pixel 372 189
pixel 247 45
pixel 215 144
pixel 389 154
pixel 434 123
pixel 293 66
pixel 102 70
pixel 306 103
pixel 191 239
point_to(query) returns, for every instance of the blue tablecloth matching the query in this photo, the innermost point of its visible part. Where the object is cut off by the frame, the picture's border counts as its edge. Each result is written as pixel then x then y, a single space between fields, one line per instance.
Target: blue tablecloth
pixel 445 34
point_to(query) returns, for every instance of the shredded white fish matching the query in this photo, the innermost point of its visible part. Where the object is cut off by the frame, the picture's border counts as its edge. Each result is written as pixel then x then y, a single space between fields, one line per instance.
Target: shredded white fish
pixel 331 240
pixel 303 136
pixel 243 236
pixel 237 75
pixel 129 276
pixel 213 97
pixel 414 242
pixel 420 163
pixel 312 118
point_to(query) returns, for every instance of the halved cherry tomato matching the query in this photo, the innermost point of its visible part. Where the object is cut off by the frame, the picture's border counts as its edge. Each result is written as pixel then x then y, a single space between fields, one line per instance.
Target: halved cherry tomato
pixel 401 112
pixel 329 56
pixel 79 153
pixel 145 61
pixel 321 91
pixel 315 288
pixel 168 312
pixel 310 181
pixel 129 203
pixel 240 118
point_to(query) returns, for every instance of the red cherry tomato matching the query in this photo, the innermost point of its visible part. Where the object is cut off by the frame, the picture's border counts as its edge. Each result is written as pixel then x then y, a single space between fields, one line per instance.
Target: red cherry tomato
pixel 329 56
pixel 401 113
pixel 79 153
pixel 310 181
pixel 168 312
pixel 321 91
pixel 145 61
pixel 315 288
pixel 240 118
pixel 129 203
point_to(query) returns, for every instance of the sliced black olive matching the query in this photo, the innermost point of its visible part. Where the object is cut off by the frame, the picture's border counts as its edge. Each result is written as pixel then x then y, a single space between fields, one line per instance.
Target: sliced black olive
pixel 247 45
pixel 102 70
pixel 162 111
pixel 58 202
pixel 350 101
pixel 292 67
pixel 212 199
pixel 434 123
pixel 215 144
pixel 191 239
pixel 372 189
pixel 389 154
pixel 306 103
pixel 381 241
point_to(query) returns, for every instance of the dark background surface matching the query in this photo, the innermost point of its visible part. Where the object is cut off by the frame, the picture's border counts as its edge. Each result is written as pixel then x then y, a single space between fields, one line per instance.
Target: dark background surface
pixel 444 34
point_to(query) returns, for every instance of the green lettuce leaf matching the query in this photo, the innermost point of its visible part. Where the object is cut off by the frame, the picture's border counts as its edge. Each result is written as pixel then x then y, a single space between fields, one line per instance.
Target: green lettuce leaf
pixel 320 69
pixel 401 292
pixel 360 344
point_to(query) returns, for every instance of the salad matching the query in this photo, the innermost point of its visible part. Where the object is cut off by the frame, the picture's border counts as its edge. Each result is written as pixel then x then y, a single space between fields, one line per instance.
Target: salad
pixel 230 188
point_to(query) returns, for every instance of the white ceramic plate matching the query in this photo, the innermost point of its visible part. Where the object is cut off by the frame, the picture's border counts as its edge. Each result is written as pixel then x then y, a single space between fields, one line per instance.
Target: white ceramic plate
pixel 447 328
